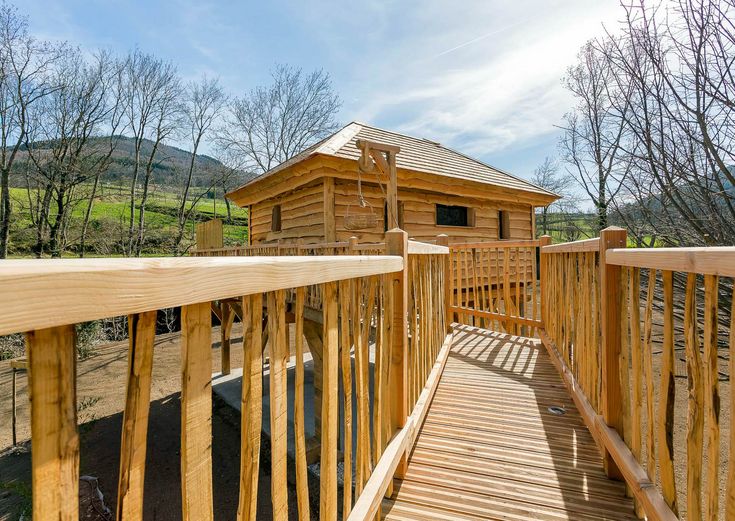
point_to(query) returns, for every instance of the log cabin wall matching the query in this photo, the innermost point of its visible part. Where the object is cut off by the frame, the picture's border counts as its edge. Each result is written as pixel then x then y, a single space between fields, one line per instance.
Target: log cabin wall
pixel 301 213
pixel 318 210
pixel 417 215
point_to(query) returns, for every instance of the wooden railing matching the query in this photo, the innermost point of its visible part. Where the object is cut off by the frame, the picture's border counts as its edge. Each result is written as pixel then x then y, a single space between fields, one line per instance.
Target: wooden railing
pixel 495 285
pixel 601 305
pixel 392 305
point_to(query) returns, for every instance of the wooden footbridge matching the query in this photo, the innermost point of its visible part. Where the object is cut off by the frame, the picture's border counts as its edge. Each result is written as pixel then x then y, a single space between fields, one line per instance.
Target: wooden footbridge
pixel 505 380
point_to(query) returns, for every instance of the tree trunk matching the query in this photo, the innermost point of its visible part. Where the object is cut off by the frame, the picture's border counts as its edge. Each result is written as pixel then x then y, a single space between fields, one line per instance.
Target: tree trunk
pixel 4 212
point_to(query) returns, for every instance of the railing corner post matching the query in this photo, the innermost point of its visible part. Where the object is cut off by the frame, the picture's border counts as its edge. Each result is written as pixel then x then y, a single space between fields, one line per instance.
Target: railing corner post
pixel 611 339
pixel 396 243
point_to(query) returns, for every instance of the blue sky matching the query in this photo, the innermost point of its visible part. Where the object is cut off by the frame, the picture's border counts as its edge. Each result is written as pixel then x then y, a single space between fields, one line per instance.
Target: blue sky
pixel 481 76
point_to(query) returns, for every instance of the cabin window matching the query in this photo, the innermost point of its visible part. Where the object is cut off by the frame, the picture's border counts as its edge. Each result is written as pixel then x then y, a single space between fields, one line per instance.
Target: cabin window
pixel 276 218
pixel 453 215
pixel 503 224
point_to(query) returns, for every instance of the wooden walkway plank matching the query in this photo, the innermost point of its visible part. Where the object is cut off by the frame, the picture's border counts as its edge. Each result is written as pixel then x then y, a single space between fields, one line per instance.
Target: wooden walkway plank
pixel 490 448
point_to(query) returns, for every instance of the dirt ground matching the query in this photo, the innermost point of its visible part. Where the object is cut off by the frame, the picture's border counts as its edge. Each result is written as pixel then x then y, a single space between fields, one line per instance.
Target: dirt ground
pixel 101 398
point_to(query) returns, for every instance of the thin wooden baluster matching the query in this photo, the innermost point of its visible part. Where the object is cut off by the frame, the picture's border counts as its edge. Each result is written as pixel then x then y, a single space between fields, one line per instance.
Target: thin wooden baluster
pixel 507 303
pixel 251 405
pixel 226 322
pixel 196 412
pixel 730 492
pixel 712 396
pixel 346 360
pixel 668 394
pixel 279 354
pixel 141 337
pixel 625 354
pixel 517 308
pixel 636 364
pixel 498 298
pixel 302 483
pixel 361 390
pixel 330 407
pixel 695 402
pixel 535 289
pixel 648 373
pixel 54 437
pixel 475 285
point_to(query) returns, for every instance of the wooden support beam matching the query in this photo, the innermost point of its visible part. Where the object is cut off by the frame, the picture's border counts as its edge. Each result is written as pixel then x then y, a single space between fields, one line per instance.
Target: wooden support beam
pixel 396 243
pixel 330 223
pixel 141 335
pixel 330 406
pixel 611 307
pixel 227 319
pixel 196 412
pixel 278 335
pixel 54 436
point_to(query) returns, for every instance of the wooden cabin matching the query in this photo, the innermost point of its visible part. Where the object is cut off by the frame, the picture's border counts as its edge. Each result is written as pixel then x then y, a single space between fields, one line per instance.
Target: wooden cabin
pixel 328 193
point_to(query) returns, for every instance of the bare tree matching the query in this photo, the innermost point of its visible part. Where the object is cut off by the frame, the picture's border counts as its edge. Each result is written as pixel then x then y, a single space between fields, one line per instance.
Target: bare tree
pixel 558 214
pixel 272 124
pixel 202 107
pixel 24 64
pixel 152 87
pixel 64 151
pixel 594 129
pixel 676 57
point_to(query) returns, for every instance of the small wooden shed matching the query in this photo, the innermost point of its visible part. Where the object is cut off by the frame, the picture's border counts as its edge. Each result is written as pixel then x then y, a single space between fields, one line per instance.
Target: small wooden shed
pixel 323 194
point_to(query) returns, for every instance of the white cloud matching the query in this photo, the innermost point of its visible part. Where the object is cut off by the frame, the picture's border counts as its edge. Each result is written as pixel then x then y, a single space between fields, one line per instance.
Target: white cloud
pixel 481 76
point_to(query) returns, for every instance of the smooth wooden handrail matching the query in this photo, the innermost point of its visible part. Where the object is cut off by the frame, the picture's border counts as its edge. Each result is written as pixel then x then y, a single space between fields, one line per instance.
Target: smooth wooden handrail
pixel 425 248
pixel 521 243
pixel 574 247
pixel 67 291
pixel 705 261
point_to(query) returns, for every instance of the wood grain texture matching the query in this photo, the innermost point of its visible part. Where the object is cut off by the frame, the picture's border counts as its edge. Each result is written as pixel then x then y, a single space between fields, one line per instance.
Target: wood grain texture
pixel 346 366
pixel 302 478
pixel 54 436
pixel 712 396
pixel 66 291
pixel 196 412
pixel 251 406
pixel 665 420
pixel 330 407
pixel 704 261
pixel 695 402
pixel 278 341
pixel 141 338
pixel 475 461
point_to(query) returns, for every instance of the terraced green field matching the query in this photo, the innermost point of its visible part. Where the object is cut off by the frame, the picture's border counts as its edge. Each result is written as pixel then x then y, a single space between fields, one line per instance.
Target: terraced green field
pixel 110 215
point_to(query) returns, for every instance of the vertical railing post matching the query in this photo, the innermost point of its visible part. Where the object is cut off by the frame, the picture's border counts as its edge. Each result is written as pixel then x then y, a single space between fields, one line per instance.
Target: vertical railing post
pixel 544 240
pixel 396 243
pixel 352 245
pixel 443 240
pixel 610 315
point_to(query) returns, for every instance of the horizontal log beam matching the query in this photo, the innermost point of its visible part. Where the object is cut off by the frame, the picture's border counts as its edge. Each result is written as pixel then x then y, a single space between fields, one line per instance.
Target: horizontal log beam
pixel 68 291
pixel 705 261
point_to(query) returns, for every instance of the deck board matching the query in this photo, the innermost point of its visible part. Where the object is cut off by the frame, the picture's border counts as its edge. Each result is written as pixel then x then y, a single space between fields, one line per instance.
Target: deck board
pixel 490 448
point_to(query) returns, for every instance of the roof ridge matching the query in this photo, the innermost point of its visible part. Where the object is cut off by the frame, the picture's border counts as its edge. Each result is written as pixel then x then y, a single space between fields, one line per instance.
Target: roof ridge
pixel 431 141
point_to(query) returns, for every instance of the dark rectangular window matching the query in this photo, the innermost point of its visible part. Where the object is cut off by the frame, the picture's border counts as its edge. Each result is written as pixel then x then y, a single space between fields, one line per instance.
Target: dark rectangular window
pixel 452 215
pixel 276 218
pixel 503 224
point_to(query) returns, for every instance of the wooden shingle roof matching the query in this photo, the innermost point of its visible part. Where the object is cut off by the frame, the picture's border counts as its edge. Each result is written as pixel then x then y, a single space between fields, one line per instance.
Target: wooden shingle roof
pixel 416 154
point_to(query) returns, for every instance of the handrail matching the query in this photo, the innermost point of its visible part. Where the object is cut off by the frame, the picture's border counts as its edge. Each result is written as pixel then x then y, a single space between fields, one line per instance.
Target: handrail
pixel 586 245
pixel 425 248
pixel 58 292
pixel 521 243
pixel 705 261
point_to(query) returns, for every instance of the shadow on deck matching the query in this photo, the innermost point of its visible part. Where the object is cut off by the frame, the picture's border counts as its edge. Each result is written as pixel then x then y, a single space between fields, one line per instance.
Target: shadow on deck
pixel 491 449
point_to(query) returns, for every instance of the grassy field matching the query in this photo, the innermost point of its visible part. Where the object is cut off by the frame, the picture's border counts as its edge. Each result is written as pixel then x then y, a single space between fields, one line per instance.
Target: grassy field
pixel 110 214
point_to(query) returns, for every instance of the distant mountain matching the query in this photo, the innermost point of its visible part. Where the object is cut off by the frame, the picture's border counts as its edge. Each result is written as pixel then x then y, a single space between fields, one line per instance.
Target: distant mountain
pixel 170 165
